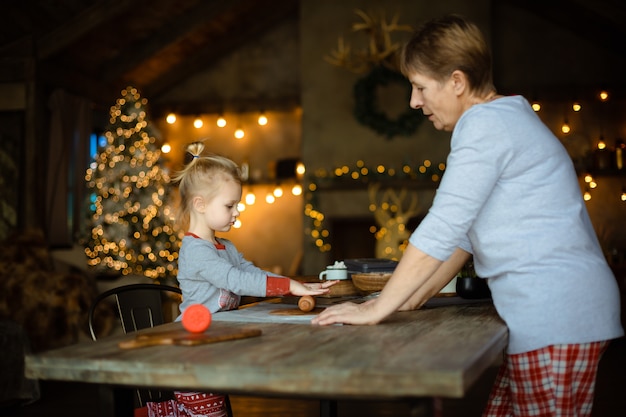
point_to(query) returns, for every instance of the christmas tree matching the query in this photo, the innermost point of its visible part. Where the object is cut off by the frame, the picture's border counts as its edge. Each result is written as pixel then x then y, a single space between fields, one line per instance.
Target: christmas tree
pixel 132 230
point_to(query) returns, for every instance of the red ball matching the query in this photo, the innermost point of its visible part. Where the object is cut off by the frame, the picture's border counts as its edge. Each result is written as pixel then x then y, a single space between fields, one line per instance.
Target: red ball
pixel 196 318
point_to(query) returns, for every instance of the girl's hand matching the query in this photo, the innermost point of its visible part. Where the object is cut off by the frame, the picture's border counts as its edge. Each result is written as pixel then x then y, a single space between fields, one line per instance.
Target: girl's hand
pixel 310 288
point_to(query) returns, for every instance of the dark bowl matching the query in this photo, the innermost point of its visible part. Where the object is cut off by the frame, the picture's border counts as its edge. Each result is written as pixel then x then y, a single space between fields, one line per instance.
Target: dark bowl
pixel 472 288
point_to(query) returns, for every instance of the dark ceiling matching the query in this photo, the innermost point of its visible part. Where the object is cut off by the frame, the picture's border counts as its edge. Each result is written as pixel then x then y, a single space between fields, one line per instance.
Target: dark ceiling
pixel 94 48
pixel 602 22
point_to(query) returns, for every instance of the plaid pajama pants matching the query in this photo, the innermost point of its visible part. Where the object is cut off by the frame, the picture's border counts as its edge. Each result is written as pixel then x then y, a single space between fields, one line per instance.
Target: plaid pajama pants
pixel 555 381
pixel 187 404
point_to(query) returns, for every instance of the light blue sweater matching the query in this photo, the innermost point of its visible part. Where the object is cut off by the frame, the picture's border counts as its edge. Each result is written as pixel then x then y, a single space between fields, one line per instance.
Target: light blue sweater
pixel 216 277
pixel 511 197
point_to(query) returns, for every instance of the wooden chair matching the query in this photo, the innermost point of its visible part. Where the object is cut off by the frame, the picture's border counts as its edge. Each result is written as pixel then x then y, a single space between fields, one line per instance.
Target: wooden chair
pixel 139 306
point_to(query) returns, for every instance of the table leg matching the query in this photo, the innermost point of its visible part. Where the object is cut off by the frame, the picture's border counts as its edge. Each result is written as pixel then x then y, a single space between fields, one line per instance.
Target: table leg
pixel 425 407
pixel 328 408
pixel 115 401
pixel 421 407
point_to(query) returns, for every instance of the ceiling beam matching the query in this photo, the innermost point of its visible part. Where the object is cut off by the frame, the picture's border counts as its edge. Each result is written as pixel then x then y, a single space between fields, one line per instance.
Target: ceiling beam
pixel 71 31
pixel 136 54
pixel 247 105
pixel 281 10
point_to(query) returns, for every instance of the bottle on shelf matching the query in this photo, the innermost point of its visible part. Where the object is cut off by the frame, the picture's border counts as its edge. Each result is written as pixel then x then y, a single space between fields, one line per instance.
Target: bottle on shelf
pixel 620 154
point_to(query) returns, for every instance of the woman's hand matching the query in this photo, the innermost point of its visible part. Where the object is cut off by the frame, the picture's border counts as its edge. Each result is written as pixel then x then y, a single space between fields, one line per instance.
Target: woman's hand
pixel 349 313
pixel 310 288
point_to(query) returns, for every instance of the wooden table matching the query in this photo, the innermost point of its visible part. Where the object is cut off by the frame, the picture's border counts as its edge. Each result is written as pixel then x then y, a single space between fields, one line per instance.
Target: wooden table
pixel 432 352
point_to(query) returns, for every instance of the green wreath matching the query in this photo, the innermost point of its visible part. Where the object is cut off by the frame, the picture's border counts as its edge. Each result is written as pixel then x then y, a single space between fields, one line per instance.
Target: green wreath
pixel 366 109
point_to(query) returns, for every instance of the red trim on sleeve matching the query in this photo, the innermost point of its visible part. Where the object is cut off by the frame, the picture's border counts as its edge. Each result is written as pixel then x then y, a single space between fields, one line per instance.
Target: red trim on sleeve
pixel 277 286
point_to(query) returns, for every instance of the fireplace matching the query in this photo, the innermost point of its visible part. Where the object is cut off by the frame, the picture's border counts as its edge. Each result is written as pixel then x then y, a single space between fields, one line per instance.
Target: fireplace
pixel 351 223
pixel 353 237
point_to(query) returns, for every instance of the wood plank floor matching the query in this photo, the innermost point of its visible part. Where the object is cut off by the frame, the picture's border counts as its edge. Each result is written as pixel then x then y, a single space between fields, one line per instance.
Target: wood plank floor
pixel 73 399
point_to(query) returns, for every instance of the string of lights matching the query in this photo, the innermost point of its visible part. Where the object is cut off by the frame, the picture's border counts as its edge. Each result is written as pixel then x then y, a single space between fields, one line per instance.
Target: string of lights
pixel 360 175
pixel 603 158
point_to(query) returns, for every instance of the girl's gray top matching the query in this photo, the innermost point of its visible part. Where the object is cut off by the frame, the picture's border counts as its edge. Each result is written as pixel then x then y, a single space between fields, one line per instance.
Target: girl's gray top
pixel 216 275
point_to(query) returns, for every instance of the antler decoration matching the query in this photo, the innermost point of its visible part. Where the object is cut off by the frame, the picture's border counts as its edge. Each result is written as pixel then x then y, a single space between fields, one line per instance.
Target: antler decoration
pixel 381 50
pixel 392 218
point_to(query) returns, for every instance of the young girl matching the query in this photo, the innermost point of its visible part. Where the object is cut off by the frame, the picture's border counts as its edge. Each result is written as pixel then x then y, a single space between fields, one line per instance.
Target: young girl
pixel 210 269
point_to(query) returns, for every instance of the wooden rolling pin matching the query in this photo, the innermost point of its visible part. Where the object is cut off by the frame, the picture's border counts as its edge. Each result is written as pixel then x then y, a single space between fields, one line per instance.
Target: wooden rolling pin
pixel 306 303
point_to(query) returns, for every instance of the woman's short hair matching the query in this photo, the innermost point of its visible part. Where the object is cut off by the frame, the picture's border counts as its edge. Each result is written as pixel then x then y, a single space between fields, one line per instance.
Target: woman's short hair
pixel 441 46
